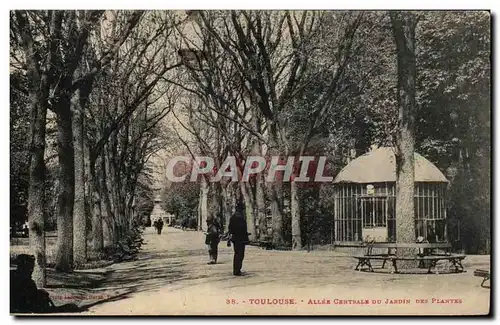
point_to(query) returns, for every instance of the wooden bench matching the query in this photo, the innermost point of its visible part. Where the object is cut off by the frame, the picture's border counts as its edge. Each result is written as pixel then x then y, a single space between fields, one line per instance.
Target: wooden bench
pixel 484 274
pixel 265 244
pixel 366 260
pixel 427 252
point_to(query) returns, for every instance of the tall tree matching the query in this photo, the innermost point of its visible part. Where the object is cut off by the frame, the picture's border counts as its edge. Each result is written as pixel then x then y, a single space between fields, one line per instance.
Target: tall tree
pixel 278 56
pixel 403 26
pixel 77 30
pixel 40 73
pixel 126 89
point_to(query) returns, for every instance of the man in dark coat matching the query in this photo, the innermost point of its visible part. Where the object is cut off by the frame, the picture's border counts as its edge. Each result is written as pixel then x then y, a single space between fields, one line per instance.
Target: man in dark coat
pixel 239 237
pixel 213 239
pixel 160 225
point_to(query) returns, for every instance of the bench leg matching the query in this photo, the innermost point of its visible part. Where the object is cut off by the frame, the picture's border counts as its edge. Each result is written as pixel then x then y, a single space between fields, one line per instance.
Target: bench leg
pixel 432 264
pixel 421 264
pixel 394 268
pixel 358 266
pixel 362 262
pixel 458 265
pixel 370 268
pixel 383 264
pixel 486 278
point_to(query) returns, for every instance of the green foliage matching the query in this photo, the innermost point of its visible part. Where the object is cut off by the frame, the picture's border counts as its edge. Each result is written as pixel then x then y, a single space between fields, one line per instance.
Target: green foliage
pixel 19 147
pixel 144 198
pixel 453 120
pixel 181 199
pixel 20 157
pixel 128 247
pixel 317 216
pixel 454 84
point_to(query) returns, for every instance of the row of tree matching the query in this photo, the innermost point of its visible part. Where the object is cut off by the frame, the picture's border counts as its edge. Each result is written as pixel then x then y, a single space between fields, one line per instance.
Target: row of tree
pixel 87 88
pixel 330 83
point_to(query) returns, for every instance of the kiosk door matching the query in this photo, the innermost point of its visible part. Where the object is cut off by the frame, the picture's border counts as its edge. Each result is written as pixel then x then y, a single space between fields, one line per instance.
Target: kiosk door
pixel 373 212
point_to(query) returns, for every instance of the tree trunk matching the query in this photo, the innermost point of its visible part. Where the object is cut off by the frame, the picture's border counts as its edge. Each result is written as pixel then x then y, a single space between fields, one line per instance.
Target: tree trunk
pixel 295 214
pixel 106 201
pixel 79 216
pixel 403 26
pixel 226 206
pixel 203 205
pixel 97 229
pixel 198 213
pixel 277 215
pixel 120 212
pixel 64 249
pixel 260 201
pixel 295 205
pixel 36 202
pixel 97 243
pixel 89 194
pixel 275 197
pixel 38 85
pixel 217 203
pixel 249 210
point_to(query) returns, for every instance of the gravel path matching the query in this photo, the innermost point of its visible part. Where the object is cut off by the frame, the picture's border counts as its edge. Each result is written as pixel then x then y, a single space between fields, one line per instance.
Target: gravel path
pixel 171 277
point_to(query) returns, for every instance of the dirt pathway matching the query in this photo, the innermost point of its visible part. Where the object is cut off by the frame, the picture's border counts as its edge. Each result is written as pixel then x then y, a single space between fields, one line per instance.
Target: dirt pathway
pixel 171 277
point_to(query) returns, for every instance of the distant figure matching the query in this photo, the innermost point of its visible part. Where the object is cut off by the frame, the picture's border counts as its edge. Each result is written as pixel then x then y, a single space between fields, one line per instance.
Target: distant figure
pixel 212 239
pixel 25 229
pixel 159 225
pixel 25 297
pixel 239 237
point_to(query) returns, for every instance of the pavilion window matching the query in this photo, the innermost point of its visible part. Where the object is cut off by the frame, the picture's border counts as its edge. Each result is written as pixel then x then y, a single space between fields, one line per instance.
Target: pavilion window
pixel 373 210
pixel 430 213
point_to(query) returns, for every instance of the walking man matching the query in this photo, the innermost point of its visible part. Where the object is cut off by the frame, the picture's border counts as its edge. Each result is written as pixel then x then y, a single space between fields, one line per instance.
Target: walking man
pixel 160 225
pixel 239 237
pixel 213 239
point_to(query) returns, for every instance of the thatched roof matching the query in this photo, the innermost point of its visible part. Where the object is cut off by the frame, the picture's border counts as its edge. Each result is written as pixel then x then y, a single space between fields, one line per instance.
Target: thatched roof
pixel 379 165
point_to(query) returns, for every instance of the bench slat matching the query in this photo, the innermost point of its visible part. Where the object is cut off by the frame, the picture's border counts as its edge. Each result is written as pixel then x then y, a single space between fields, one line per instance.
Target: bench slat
pixel 482 273
pixel 416 258
pixel 410 245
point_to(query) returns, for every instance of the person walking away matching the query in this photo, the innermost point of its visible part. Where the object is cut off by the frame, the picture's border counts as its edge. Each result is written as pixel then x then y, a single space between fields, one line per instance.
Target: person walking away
pixel 155 225
pixel 212 239
pixel 239 237
pixel 160 226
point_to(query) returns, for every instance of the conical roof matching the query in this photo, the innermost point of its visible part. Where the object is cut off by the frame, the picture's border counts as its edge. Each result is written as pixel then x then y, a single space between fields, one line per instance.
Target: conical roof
pixel 379 165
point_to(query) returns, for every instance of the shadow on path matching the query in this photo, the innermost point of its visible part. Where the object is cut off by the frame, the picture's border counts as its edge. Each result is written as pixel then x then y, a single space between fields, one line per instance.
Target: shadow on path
pixel 162 261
